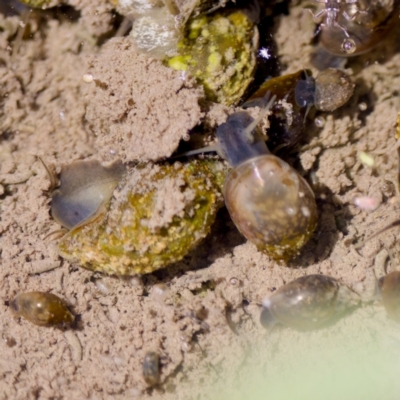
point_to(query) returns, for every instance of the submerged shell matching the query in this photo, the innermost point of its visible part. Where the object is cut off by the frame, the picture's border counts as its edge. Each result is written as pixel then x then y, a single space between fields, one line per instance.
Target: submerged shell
pixel 390 292
pixel 364 32
pixel 271 205
pixel 160 214
pixel 309 302
pixel 219 50
pixel 41 308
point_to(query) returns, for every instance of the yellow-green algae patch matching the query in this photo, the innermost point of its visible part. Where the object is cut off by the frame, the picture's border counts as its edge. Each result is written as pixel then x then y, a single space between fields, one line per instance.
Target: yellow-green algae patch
pixel 156 217
pixel 220 51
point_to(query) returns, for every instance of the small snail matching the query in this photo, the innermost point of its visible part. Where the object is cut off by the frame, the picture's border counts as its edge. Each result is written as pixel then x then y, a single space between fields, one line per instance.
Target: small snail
pixel 307 303
pixel 333 88
pixel 389 287
pixel 41 308
pixel 269 202
pixel 369 24
pixel 151 368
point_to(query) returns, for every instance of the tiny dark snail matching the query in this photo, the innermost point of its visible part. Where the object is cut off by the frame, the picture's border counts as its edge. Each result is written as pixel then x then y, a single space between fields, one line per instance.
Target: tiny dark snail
pixel 151 368
pixel 269 202
pixel 41 308
pixel 389 287
pixel 86 186
pixel 307 303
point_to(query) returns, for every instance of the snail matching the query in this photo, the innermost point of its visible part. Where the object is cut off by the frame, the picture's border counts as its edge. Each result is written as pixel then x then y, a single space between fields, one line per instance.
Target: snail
pixel 136 229
pixel 307 303
pixel 41 308
pixel 268 201
pixel 151 368
pixel 219 50
pixel 333 88
pixel 369 25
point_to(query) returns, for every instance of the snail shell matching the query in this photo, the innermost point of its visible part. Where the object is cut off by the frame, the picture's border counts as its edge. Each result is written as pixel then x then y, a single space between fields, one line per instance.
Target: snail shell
pixel 309 302
pixel 389 286
pixel 143 228
pixel 151 368
pixel 41 308
pixel 271 205
pixel 333 88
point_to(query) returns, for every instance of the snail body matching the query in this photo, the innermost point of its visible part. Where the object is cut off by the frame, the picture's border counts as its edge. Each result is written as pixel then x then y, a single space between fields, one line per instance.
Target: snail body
pixel 307 303
pixel 269 202
pixel 41 308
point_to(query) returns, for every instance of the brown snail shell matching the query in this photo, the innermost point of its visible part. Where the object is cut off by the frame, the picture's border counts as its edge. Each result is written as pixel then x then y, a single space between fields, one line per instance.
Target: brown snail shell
pixel 41 308
pixel 271 205
pixel 309 302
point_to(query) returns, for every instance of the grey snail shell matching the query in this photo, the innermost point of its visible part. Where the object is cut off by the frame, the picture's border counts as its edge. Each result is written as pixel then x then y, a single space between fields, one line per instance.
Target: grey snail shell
pixel 307 303
pixel 269 202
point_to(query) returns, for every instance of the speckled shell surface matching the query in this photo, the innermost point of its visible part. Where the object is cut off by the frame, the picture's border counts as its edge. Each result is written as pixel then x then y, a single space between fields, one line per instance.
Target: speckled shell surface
pixel 311 302
pixel 272 205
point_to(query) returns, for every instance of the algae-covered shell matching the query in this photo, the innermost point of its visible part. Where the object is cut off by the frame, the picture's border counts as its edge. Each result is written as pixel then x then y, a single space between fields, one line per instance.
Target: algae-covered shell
pixel 41 308
pixel 219 50
pixel 309 302
pixel 156 216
